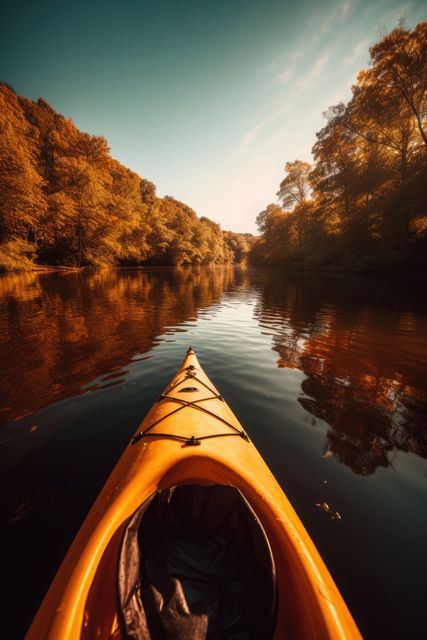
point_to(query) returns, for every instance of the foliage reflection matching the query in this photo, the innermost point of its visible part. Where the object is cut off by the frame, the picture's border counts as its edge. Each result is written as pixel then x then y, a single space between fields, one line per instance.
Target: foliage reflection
pixel 58 332
pixel 361 349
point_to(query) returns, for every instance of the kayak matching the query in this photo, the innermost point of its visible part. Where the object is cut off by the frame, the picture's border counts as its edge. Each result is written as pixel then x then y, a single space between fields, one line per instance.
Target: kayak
pixel 192 537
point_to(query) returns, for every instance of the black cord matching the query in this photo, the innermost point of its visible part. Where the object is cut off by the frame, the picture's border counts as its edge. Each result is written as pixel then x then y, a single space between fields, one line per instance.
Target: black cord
pixel 189 440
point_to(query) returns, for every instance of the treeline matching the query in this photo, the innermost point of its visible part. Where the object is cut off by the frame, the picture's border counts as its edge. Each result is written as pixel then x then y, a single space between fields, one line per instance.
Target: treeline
pixel 362 205
pixel 65 201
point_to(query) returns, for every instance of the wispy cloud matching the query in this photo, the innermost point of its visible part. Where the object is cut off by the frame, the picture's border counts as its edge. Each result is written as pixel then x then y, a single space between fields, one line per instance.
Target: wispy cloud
pixel 345 9
pixel 316 71
pixel 250 136
pixel 319 66
pixel 286 60
pixel 359 49
pixel 389 20
pixel 286 75
pixel 288 98
pixel 307 70
pixel 296 54
pixel 340 12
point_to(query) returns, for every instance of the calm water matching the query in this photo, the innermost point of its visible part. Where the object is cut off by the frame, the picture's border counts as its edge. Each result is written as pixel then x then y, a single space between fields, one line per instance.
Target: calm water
pixel 328 374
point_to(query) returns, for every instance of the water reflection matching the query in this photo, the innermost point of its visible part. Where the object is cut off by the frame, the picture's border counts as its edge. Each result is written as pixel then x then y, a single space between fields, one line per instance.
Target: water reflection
pixel 60 331
pixel 361 347
pixel 359 343
pixel 356 358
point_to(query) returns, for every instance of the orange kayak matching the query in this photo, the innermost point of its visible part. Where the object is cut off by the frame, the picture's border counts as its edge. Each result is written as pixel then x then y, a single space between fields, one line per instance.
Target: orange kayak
pixel 192 537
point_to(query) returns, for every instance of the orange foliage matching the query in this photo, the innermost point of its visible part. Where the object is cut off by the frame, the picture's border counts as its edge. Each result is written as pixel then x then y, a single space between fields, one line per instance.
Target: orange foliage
pixel 66 201
pixel 368 185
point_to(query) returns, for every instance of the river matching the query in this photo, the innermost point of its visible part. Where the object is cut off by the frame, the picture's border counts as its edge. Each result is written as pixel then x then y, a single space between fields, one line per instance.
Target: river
pixel 328 374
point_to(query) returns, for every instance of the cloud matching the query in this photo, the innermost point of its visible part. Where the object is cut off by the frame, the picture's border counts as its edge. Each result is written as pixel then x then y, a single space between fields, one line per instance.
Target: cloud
pixel 341 12
pixel 318 24
pixel 389 20
pixel 317 70
pixel 250 136
pixel 359 49
pixel 287 102
pixel 297 80
pixel 319 66
pixel 296 54
pixel 287 58
pixel 286 75
pixel 345 9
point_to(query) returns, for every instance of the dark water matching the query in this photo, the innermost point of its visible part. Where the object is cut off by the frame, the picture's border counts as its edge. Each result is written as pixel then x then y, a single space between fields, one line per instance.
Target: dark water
pixel 328 375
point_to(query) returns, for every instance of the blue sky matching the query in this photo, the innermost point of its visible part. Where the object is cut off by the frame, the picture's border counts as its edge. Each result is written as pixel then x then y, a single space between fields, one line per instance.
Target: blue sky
pixel 206 99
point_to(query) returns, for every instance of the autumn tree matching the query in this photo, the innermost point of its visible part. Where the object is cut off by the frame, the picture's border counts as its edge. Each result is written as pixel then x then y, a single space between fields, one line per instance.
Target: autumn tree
pixel 399 70
pixel 147 191
pixel 295 187
pixel 237 246
pixel 294 194
pixel 128 224
pixel 367 207
pixel 385 127
pixel 22 201
pixel 388 110
pixel 279 239
pixel 210 240
pixel 334 175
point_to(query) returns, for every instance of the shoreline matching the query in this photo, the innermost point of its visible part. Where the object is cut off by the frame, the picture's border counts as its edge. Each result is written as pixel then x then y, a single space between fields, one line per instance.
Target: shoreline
pixel 282 268
pixel 68 269
pixel 41 269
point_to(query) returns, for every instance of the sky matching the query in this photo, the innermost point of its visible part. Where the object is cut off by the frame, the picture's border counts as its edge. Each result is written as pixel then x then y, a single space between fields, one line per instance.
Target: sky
pixel 206 99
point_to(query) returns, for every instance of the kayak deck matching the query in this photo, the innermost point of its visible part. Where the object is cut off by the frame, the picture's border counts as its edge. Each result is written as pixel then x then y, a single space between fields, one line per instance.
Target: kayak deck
pixel 190 437
pixel 191 389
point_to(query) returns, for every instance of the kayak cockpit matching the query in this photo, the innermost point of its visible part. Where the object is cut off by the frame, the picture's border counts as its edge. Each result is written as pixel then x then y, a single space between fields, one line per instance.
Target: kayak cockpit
pixel 195 563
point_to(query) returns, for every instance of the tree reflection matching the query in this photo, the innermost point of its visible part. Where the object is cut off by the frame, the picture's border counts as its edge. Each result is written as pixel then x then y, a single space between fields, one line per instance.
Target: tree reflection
pixel 59 331
pixel 361 348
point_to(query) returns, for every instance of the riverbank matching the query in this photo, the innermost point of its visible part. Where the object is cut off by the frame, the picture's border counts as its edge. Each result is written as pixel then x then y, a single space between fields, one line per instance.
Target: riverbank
pixel 38 268
pixel 411 259
pixel 380 260
pixel 334 269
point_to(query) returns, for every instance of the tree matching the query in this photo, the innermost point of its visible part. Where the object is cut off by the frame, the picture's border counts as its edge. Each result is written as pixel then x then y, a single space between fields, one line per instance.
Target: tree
pixel 333 177
pixel 237 246
pixel 148 192
pixel 295 188
pixel 279 236
pixel 400 69
pixel 22 201
pixel 388 110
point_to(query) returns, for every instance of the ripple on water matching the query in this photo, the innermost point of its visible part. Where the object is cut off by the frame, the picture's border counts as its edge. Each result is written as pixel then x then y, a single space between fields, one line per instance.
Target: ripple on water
pixel 307 368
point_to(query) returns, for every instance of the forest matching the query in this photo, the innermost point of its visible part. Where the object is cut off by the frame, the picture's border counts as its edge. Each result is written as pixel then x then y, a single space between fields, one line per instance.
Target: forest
pixel 362 204
pixel 65 201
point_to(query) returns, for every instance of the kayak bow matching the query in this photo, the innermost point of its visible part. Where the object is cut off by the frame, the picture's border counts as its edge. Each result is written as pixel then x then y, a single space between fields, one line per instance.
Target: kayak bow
pixel 192 469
